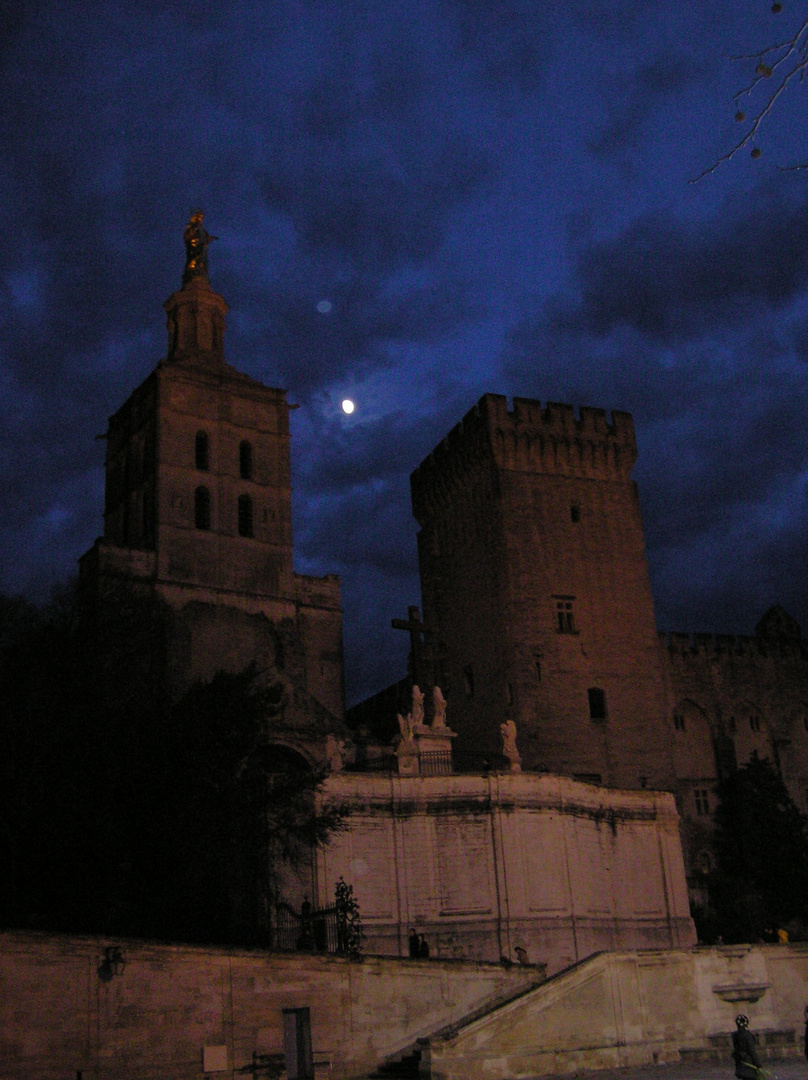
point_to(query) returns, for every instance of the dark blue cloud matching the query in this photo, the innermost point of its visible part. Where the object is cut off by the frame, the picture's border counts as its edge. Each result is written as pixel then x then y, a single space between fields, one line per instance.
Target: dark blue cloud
pixel 415 204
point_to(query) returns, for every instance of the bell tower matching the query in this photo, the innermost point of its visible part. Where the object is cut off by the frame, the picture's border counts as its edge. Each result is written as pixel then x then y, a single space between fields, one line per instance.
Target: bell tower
pixel 198 509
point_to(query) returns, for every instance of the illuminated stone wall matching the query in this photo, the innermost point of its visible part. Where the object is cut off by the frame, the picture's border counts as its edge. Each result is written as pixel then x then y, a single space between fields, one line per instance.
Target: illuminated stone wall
pixel 483 865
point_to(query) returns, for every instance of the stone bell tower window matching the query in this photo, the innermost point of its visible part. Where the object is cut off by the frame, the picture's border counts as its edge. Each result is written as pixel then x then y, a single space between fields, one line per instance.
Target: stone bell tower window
pixel 245 460
pixel 245 515
pixel 202 451
pixel 202 508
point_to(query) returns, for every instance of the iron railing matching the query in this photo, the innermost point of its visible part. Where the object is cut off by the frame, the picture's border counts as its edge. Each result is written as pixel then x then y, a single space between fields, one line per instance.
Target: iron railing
pixel 435 763
pixel 310 930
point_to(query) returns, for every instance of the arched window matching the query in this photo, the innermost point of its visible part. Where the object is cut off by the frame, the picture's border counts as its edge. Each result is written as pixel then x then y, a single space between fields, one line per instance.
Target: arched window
pixel 202 508
pixel 245 460
pixel 245 515
pixel 202 451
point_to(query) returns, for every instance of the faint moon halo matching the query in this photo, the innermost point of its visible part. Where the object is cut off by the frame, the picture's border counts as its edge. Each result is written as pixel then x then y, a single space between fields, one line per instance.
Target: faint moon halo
pixel 348 406
pixel 324 307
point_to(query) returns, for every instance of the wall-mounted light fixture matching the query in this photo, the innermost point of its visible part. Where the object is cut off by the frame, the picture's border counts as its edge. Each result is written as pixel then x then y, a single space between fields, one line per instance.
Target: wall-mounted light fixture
pixel 113 963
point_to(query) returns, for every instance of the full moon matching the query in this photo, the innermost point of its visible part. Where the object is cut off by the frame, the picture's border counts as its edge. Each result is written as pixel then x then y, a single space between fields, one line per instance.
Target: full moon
pixel 348 406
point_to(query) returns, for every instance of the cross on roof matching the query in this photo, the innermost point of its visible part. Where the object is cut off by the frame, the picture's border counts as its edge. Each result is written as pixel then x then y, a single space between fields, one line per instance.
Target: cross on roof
pixel 421 653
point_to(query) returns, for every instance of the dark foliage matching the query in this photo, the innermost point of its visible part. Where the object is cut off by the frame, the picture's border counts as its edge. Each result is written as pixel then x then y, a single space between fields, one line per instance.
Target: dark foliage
pixel 761 843
pixel 124 811
pixel 349 923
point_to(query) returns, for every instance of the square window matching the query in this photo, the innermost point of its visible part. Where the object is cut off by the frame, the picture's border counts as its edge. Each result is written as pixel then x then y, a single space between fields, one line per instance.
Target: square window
pixel 565 617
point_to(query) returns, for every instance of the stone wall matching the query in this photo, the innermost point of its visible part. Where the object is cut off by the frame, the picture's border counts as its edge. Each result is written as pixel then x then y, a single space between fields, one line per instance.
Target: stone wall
pixel 482 865
pixel 154 1021
pixel 630 1009
pixel 730 697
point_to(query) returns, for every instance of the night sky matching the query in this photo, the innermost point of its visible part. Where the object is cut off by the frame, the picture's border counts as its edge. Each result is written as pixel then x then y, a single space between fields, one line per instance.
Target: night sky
pixel 416 203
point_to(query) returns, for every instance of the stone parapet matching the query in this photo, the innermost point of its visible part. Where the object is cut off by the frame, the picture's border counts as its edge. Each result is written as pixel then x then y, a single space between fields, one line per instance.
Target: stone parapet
pixel 527 438
pixel 324 592
pixel 172 1003
pixel 519 865
pixel 708 645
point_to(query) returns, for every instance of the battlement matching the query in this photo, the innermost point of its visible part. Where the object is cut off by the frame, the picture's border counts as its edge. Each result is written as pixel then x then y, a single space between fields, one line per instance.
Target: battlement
pixel 324 592
pixel 528 438
pixel 706 646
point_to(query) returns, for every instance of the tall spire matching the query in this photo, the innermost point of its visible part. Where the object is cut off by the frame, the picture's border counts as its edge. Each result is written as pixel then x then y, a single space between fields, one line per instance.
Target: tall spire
pixel 196 313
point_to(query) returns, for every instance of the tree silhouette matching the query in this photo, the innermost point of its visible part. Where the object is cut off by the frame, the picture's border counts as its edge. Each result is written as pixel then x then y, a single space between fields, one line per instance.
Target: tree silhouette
pixel 761 845
pixel 124 811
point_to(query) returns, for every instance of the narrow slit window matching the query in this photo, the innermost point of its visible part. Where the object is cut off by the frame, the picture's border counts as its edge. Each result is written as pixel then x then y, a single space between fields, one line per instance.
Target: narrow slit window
pixel 468 680
pixel 597 703
pixel 245 460
pixel 202 508
pixel 202 451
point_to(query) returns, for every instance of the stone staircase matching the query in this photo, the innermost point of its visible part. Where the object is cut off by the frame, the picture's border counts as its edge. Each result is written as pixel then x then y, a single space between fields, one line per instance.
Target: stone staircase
pixel 627 1010
pixel 406 1065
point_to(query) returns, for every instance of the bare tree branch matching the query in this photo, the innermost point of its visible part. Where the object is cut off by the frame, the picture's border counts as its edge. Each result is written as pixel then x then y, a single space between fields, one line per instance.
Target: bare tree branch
pixel 794 58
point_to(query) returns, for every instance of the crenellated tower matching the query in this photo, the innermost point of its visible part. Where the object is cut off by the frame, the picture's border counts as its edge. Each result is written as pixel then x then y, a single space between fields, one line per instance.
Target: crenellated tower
pixel 535 583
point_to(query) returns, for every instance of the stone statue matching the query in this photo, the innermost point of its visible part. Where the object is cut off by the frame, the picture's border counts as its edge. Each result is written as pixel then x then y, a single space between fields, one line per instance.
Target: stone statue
pixel 439 719
pixel 509 750
pixel 196 247
pixel 335 752
pixel 405 727
pixel 417 714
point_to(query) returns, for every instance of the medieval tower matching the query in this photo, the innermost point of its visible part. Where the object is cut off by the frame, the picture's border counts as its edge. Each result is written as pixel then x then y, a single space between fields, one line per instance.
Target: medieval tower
pixel 536 591
pixel 198 514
